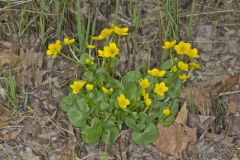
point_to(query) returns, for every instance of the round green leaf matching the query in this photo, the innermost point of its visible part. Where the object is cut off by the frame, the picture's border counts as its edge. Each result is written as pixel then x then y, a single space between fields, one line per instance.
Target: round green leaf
pixel 149 135
pixel 76 117
pixel 91 134
pixel 66 103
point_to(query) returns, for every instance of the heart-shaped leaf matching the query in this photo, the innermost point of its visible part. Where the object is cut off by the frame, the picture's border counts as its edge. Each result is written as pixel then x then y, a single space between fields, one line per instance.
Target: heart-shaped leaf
pixel 149 135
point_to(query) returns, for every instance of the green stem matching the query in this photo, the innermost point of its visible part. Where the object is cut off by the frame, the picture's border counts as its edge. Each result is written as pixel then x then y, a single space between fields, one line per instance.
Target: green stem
pixel 119 40
pixel 171 56
pixel 69 58
pixel 73 53
pixel 109 64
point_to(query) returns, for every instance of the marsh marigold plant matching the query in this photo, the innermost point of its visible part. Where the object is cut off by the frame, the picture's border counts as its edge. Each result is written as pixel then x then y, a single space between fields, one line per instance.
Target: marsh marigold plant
pixel 101 104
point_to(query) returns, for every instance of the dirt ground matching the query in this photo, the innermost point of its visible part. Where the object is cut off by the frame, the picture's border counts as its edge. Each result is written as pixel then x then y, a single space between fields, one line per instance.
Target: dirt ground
pixel 41 131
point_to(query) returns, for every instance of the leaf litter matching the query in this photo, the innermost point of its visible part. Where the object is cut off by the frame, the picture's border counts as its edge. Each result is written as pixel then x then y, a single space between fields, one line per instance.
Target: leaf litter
pixel 194 130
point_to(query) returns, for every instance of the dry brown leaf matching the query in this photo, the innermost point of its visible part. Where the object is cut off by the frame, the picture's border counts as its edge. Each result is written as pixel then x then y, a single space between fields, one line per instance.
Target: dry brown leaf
pixel 234 103
pixel 201 93
pixel 12 135
pixel 7 57
pixel 235 126
pixel 182 115
pixel 174 139
pixel 47 134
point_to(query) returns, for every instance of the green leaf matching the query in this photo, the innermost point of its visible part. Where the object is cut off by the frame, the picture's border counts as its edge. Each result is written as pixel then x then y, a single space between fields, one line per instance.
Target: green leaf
pixel 131 90
pixel 174 88
pixel 101 74
pixel 88 76
pixel 132 76
pixel 131 123
pixel 76 117
pixel 104 105
pixel 91 134
pixel 166 65
pixel 83 58
pixel 82 105
pixel 149 135
pixel 167 121
pixel 66 103
pixel 158 98
pixel 110 133
pixel 141 125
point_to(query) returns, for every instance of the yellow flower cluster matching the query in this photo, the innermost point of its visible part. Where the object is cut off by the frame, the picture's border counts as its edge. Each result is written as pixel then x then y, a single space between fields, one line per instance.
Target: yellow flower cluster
pixel 106 32
pixel 147 100
pixel 183 48
pixel 109 51
pixel 78 85
pixel 55 48
pixel 160 88
pixel 144 83
pixel 107 91
pixel 123 101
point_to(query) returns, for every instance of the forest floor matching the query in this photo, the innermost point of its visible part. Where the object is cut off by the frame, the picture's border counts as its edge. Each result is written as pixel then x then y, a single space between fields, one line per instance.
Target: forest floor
pixel 39 130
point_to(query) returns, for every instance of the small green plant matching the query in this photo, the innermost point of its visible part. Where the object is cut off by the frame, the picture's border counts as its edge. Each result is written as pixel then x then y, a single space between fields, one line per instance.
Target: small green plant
pixel 101 105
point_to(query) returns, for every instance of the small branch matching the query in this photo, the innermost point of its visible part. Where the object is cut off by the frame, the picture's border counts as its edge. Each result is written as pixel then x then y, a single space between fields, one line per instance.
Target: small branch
pixel 228 93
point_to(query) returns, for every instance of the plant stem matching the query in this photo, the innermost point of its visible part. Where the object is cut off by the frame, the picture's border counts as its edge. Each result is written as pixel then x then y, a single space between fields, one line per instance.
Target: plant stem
pixel 69 58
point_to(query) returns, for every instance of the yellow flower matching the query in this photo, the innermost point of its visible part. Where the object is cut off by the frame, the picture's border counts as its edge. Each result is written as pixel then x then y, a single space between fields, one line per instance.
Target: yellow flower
pixel 111 51
pixel 89 61
pixel 184 76
pixel 101 53
pixel 156 73
pixel 97 38
pixel 123 101
pixel 160 88
pixel 174 68
pixel 120 31
pixel 168 45
pixel 89 87
pixel 144 83
pixel 54 48
pixel 105 33
pixel 183 66
pixel 89 46
pixel 147 100
pixel 107 91
pixel 193 53
pixel 194 65
pixel 77 86
pixel 166 112
pixel 182 48
pixel 68 41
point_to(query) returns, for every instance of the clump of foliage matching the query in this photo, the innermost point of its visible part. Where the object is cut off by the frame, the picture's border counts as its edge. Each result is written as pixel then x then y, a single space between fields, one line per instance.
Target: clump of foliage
pixel 101 105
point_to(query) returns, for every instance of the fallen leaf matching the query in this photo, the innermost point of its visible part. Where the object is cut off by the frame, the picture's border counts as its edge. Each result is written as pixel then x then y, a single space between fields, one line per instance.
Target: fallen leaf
pixel 234 103
pixel 201 122
pixel 200 94
pixel 235 125
pixel 173 140
pixel 47 134
pixel 7 57
pixel 182 115
pixel 12 135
